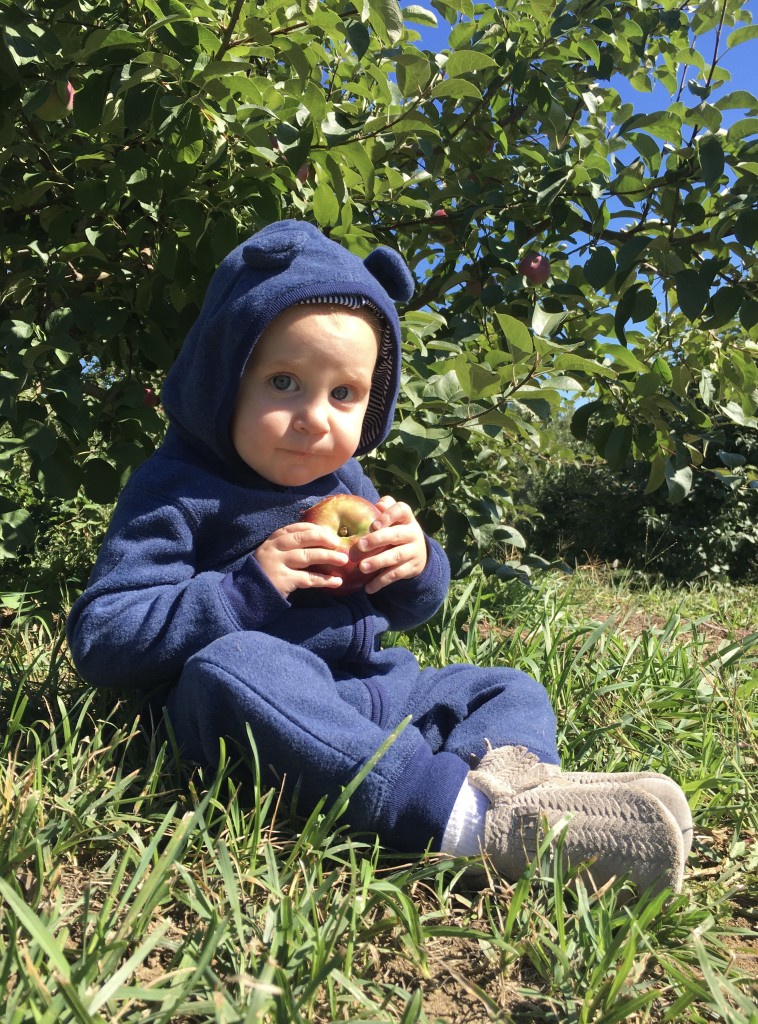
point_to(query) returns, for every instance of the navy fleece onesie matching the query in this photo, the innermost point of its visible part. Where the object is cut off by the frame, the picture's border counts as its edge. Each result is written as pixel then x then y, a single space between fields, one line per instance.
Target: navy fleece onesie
pixel 177 602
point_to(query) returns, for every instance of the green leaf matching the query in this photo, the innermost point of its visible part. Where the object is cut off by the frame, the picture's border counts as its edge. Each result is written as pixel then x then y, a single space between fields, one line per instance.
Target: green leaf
pixel 600 267
pixel 678 481
pixel 421 440
pixel 190 143
pixel 746 228
pixel 413 73
pixel 102 39
pixel 630 252
pixel 647 384
pixel 516 334
pixel 325 206
pixel 618 447
pixel 457 87
pixel 732 460
pixel 48 940
pixel 568 362
pixel 711 157
pixel 581 418
pixel 636 304
pixel 463 62
pixel 657 474
pixel 724 305
pixel 545 324
pixel 444 388
pixel 387 18
pixel 691 294
pixel 749 314
pixel 59 476
pixel 477 381
pixel 737 414
pixel 101 481
pixel 743 129
pixel 644 304
pixel 41 440
pixel 420 16
pixel 359 37
pixel 742 35
pixel 707 388
pixel 738 100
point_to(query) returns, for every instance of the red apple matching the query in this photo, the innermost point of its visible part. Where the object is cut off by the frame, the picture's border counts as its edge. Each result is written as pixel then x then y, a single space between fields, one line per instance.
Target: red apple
pixel 350 518
pixel 149 398
pixel 535 267
pixel 302 173
pixel 440 213
pixel 58 103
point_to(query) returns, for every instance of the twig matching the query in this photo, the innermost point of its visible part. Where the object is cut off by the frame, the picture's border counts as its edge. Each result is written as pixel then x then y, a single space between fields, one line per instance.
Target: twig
pixel 229 31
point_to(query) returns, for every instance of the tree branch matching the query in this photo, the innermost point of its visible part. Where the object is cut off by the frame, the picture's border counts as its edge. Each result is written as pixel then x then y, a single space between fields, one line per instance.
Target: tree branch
pixel 229 31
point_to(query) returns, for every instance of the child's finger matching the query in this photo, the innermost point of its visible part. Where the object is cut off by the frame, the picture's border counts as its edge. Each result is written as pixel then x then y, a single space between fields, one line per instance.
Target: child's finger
pixel 315 556
pixel 383 579
pixel 390 536
pixel 310 537
pixel 385 502
pixel 317 579
pixel 386 558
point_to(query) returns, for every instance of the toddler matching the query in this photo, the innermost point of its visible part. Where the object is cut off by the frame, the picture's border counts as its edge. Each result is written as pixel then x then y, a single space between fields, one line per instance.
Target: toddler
pixel 212 594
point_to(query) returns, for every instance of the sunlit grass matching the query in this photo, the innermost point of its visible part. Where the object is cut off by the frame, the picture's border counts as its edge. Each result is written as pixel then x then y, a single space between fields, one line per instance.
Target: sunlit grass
pixel 133 890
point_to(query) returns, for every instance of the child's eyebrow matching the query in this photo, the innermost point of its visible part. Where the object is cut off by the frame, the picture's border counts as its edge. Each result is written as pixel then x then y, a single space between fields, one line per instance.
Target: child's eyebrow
pixel 296 365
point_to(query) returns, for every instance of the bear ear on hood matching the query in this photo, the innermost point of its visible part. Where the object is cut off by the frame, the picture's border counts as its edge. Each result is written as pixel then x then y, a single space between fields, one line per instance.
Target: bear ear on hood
pixel 390 270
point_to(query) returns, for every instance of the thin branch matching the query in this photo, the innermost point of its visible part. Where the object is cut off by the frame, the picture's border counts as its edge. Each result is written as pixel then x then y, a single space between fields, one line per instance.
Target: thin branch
pixel 229 31
pixel 714 61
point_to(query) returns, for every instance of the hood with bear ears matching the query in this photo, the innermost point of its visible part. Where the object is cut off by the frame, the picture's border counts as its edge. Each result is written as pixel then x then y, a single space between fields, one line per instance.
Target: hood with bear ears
pixel 285 264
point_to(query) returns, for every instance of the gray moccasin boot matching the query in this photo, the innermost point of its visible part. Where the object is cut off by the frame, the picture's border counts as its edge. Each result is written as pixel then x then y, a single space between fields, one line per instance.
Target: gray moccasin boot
pixel 655 783
pixel 616 829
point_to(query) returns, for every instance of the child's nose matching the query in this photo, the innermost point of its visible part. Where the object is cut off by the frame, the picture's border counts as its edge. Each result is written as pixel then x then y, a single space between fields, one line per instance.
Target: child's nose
pixel 312 417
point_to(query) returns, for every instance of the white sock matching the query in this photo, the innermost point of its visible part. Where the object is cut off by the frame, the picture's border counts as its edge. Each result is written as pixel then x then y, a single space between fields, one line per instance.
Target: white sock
pixel 464 832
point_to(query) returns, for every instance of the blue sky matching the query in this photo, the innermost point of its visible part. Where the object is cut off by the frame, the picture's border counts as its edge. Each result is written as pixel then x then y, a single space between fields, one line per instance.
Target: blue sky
pixel 741 61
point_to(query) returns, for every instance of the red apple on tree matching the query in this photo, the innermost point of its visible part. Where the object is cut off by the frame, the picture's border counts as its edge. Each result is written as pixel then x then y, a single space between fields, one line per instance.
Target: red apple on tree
pixel 58 103
pixel 350 518
pixel 535 267
pixel 445 235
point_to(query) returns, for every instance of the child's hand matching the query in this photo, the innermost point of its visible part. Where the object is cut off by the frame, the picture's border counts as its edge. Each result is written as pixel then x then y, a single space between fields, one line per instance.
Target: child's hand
pixel 402 537
pixel 287 555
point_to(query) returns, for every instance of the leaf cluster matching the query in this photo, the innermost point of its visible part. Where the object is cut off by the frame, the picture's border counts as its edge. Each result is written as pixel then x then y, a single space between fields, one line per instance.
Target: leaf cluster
pixel 195 122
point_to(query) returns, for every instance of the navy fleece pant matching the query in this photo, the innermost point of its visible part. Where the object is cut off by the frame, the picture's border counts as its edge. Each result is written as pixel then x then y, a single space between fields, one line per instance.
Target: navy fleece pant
pixel 319 727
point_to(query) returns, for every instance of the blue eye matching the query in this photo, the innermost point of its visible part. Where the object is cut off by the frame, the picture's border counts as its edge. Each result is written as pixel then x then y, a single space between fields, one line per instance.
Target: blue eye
pixel 342 393
pixel 283 382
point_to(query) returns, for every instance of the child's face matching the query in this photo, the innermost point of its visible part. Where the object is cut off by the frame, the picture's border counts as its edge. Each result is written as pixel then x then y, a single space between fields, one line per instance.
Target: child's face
pixel 303 395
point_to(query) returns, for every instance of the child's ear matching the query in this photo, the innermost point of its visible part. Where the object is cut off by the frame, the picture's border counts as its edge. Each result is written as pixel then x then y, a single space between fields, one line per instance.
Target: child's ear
pixel 389 268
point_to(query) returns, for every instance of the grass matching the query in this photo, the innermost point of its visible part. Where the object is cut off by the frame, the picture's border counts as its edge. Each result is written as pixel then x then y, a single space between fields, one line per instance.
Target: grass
pixel 133 890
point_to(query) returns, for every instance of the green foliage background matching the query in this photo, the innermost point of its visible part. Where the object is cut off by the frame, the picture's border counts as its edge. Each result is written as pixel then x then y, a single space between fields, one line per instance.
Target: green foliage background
pixel 195 123
pixel 582 512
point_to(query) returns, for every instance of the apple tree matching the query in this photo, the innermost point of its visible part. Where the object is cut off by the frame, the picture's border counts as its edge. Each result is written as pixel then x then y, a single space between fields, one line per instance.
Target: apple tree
pixel 574 184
